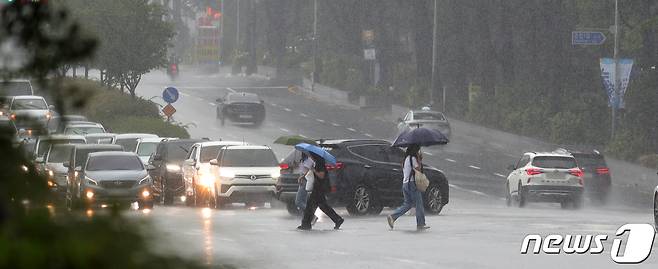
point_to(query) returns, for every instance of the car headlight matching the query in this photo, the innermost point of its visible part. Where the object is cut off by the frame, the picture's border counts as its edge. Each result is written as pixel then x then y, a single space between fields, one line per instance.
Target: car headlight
pixel 52 184
pixel 207 180
pixel 90 181
pixel 226 173
pixel 173 167
pixel 276 174
pixel 51 174
pixel 145 180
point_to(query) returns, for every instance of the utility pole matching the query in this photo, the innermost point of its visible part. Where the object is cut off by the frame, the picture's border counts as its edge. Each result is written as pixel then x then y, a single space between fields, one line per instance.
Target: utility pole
pixel 221 32
pixel 315 42
pixel 434 52
pixel 237 31
pixel 616 93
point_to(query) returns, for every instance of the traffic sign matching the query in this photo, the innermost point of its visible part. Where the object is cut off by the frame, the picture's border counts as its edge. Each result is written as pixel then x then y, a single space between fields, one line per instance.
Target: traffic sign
pixel 169 110
pixel 369 54
pixel 170 95
pixel 587 38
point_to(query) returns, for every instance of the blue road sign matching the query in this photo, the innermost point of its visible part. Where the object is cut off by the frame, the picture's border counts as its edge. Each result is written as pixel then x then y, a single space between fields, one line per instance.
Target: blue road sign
pixel 170 95
pixel 587 38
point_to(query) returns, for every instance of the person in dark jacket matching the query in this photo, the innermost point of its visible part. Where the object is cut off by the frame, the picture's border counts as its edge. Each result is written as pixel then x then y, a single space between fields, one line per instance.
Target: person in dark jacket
pixel 318 198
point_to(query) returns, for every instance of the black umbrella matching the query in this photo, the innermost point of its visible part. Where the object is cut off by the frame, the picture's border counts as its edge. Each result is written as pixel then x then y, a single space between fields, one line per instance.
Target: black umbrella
pixel 420 136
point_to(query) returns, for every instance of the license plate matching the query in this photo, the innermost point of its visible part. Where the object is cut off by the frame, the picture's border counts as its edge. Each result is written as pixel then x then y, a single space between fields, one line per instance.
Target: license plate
pixel 555 175
pixel 245 116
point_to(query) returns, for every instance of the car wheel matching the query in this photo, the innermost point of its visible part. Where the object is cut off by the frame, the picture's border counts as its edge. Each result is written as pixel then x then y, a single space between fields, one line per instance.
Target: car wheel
pixel 433 199
pixel 361 201
pixel 508 196
pixel 522 196
pixel 292 208
pixel 168 198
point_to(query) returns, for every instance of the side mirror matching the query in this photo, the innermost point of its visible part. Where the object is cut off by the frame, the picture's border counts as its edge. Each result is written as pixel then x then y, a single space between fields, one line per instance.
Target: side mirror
pixel 157 157
pixel 190 162
pixel 79 168
pixel 219 100
pixel 51 107
pixel 67 164
pixel 400 120
pixel 39 160
pixel 150 167
pixel 214 162
pixel 511 167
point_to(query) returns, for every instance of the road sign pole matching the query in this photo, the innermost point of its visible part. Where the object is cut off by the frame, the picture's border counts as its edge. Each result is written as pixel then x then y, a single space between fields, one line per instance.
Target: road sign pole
pixel 616 92
pixel 315 46
pixel 433 81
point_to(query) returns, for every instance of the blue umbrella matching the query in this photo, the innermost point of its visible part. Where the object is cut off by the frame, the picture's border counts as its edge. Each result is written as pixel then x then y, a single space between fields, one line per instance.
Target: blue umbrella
pixel 420 136
pixel 304 147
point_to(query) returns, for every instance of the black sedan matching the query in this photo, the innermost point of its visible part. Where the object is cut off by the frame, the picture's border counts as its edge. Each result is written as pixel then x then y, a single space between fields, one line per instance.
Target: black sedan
pixel 367 178
pixel 241 107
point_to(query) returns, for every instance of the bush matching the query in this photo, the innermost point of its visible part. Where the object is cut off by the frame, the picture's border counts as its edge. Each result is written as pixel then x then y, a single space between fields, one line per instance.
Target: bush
pixel 627 145
pixel 650 160
pixel 146 125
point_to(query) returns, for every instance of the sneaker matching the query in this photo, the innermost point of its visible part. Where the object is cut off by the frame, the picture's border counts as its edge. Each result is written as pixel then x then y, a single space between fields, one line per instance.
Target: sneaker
pixel 304 228
pixel 422 228
pixel 391 221
pixel 340 222
pixel 315 219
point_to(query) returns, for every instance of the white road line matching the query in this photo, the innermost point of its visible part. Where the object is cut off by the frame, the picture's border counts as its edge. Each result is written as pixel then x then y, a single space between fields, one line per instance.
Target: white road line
pixel 285 130
pixel 451 160
pixel 407 261
pixel 320 120
pixel 427 153
pixel 184 94
pixel 287 109
pixel 351 129
pixel 199 98
pixel 367 134
pixel 335 124
pixel 303 115
pixel 231 90
pixel 500 175
pixel 474 167
pixel 338 252
pixel 273 104
pixel 303 136
pixel 212 104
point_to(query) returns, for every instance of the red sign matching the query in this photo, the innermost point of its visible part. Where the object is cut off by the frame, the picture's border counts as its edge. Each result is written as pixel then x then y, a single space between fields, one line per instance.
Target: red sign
pixel 169 110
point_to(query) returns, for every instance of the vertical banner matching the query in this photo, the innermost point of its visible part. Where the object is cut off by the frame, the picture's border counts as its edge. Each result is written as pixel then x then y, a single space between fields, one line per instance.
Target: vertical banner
pixel 608 75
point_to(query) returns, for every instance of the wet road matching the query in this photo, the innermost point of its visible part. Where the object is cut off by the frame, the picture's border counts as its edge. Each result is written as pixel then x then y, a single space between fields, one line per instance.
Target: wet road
pixel 476 230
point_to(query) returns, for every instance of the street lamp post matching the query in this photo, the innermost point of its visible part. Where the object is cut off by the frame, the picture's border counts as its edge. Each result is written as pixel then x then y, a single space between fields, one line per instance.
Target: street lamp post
pixel 617 84
pixel 315 46
pixel 434 53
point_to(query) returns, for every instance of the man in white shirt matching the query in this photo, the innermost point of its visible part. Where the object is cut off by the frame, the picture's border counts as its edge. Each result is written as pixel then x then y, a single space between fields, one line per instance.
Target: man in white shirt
pixel 305 165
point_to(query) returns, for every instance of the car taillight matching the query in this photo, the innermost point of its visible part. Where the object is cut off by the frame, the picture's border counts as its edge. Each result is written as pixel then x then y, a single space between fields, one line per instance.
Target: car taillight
pixel 13 116
pixel 602 171
pixel 577 172
pixel 330 167
pixel 284 166
pixel 533 171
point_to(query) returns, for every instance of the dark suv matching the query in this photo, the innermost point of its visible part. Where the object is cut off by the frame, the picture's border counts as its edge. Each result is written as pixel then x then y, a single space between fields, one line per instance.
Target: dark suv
pixel 597 174
pixel 167 173
pixel 367 178
pixel 241 107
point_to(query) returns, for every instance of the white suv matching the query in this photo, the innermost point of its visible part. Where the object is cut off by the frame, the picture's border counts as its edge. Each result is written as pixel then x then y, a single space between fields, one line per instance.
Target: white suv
pixel 197 175
pixel 246 174
pixel 545 177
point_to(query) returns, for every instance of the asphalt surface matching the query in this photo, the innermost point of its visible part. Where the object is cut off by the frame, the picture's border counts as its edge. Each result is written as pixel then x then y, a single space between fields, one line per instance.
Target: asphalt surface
pixel 476 230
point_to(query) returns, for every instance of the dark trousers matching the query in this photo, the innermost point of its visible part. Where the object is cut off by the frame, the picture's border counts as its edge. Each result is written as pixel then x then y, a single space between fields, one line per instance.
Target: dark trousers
pixel 315 200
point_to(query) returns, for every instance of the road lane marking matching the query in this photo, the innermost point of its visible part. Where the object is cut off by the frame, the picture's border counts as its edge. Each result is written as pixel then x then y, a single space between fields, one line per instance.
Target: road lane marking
pixel 287 109
pixel 303 136
pixel 451 160
pixel 231 90
pixel 212 104
pixel 338 252
pixel 303 115
pixel 500 175
pixel 285 130
pixel 407 261
pixel 184 94
pixel 474 167
pixel 351 129
pixel 335 124
pixel 273 104
pixel 430 154
pixel 368 135
pixel 320 120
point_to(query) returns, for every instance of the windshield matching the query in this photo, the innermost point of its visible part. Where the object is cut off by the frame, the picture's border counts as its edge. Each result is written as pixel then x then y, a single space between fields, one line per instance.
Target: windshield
pixel 208 153
pixel 14 88
pixel 82 154
pixel 428 116
pixel 99 140
pixel 554 162
pixel 44 145
pixel 178 151
pixel 59 153
pixel 590 160
pixel 147 148
pixel 249 158
pixel 26 104
pixel 118 162
pixel 129 144
pixel 83 130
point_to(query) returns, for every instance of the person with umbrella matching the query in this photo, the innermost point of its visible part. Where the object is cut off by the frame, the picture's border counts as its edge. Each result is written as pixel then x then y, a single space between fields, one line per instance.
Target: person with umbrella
pixel 413 197
pixel 320 187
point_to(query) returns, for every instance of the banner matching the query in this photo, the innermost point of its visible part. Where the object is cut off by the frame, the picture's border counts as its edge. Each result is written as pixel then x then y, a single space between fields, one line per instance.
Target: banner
pixel 608 75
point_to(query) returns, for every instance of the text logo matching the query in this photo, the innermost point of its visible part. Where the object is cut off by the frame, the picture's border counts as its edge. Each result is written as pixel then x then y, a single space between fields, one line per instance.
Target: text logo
pixel 636 247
